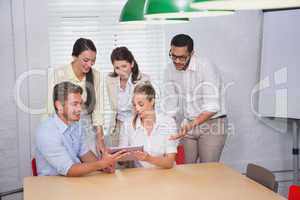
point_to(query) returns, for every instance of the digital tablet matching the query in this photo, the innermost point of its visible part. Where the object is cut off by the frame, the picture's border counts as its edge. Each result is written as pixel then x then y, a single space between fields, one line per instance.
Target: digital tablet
pixel 128 149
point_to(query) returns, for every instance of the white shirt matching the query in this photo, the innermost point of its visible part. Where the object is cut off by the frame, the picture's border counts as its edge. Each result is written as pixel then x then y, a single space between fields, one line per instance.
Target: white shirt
pixel 157 143
pixel 197 89
pixel 124 101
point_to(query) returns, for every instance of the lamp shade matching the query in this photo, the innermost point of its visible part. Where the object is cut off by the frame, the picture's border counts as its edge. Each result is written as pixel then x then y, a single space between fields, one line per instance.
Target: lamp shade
pixel 177 8
pixel 133 13
pixel 244 4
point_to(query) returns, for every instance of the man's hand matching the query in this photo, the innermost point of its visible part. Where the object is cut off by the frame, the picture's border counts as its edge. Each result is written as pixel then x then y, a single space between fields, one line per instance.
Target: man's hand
pixel 203 117
pixel 110 169
pixel 182 132
pixel 109 160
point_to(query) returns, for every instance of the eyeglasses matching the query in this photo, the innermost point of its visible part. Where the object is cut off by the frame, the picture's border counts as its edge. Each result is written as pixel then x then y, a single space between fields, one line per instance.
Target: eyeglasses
pixel 180 58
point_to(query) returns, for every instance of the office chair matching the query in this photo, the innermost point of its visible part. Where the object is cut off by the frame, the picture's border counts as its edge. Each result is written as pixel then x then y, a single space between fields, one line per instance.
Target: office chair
pixel 262 176
pixel 180 155
pixel 33 167
pixel 294 192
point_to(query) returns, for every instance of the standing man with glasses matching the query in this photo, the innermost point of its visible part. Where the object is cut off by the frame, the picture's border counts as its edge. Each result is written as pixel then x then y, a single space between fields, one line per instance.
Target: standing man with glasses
pixel 194 96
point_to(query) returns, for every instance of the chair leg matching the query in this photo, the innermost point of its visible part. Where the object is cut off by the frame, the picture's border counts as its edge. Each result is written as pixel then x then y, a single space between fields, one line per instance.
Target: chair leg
pixel 3 194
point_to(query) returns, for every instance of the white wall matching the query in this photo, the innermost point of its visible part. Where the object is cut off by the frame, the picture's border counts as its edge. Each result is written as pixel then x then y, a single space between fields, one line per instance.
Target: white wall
pixel 233 43
pixel 9 169
pixel 24 47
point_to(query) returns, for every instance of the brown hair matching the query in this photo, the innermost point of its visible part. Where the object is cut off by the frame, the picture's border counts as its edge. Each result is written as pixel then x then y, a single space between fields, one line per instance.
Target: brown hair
pixel 83 44
pixel 122 53
pixel 62 90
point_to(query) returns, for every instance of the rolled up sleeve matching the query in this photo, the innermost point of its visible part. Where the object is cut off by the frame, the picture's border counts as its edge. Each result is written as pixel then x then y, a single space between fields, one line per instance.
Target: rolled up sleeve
pixel 167 128
pixel 169 99
pixel 211 89
pixel 97 115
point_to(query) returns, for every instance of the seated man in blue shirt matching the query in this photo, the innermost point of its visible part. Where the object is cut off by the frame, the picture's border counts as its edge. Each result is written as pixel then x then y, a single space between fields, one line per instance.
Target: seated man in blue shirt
pixel 60 146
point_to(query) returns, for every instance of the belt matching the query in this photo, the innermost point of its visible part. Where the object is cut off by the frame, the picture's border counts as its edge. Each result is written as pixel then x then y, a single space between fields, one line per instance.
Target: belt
pixel 219 117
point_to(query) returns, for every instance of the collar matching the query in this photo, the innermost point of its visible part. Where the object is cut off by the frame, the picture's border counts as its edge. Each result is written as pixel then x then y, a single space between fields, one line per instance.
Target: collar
pixel 129 82
pixel 62 127
pixel 139 122
pixel 117 78
pixel 72 75
pixel 192 64
pixel 139 77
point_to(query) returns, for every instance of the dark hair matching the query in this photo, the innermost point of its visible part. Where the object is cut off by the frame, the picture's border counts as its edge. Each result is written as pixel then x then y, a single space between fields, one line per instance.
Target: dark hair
pixel 83 44
pixel 146 89
pixel 62 90
pixel 122 53
pixel 182 40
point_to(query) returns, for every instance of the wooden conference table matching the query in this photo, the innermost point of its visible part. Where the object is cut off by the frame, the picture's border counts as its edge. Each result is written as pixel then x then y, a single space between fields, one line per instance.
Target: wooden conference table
pixel 210 181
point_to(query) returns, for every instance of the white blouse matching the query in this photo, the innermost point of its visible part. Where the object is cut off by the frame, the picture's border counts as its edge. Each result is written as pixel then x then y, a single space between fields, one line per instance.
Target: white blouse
pixel 157 143
pixel 124 101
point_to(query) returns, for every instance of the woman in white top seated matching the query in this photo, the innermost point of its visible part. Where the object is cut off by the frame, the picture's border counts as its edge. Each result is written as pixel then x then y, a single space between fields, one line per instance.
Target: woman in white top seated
pixel 149 129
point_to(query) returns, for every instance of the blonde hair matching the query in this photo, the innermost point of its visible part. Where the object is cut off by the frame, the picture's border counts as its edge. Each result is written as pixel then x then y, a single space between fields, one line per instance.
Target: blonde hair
pixel 146 89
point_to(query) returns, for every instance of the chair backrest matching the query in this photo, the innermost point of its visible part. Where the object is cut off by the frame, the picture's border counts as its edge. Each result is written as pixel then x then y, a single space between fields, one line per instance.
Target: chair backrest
pixel 180 155
pixel 33 167
pixel 262 176
pixel 294 192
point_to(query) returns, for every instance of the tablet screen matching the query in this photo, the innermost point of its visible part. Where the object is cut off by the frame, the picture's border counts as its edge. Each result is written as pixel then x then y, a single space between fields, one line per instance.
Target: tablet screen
pixel 128 149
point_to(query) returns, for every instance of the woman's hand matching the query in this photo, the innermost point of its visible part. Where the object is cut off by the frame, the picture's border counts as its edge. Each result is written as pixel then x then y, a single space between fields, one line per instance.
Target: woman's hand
pixel 100 145
pixel 141 155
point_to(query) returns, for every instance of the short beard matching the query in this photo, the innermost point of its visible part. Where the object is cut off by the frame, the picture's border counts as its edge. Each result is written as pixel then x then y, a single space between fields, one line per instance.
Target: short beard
pixel 65 116
pixel 186 65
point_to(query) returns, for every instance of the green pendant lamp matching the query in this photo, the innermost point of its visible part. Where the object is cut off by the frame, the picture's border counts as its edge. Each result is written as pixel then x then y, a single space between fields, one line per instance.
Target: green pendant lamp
pixel 244 4
pixel 133 13
pixel 177 8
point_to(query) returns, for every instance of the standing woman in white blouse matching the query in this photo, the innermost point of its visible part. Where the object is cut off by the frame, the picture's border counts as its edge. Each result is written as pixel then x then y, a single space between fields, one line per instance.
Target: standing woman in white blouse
pixel 120 84
pixel 149 129
pixel 80 72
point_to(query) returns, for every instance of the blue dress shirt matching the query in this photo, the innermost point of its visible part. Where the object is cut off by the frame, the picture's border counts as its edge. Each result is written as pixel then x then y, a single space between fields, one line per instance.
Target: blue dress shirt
pixel 58 146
